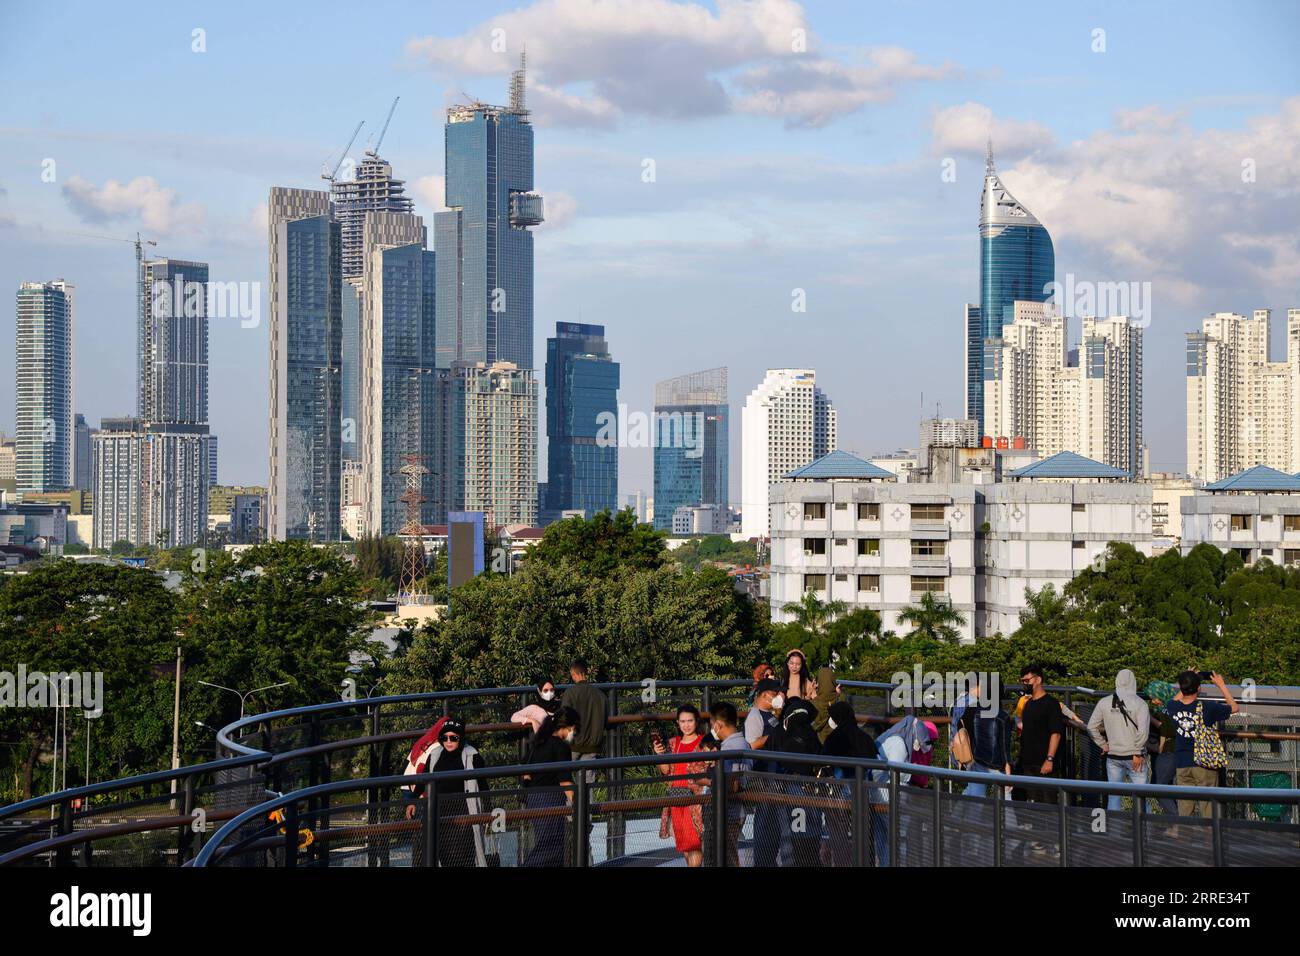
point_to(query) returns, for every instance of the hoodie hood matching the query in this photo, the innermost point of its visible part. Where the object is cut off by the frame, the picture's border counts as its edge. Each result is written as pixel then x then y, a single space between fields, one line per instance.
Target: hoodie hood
pixel 1126 686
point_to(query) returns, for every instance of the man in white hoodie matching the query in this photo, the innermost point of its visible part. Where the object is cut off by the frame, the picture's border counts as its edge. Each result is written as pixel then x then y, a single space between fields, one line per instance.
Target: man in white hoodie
pixel 1120 725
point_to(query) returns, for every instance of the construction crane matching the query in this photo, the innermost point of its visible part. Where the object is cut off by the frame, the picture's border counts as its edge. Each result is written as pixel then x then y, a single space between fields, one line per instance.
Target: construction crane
pixel 374 152
pixel 330 175
pixel 137 242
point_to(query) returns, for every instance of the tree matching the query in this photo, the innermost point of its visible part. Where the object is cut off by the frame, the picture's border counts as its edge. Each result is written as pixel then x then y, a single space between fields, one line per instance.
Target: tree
pixel 812 613
pixel 379 564
pixel 935 620
pixel 601 544
pixel 1044 606
pixel 107 620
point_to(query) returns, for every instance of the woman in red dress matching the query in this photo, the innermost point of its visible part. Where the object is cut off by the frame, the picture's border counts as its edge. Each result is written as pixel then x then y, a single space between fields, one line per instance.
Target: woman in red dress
pixel 685 833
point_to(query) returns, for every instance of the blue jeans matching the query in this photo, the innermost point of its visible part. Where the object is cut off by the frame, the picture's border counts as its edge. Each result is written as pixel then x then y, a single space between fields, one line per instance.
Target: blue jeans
pixel 1166 768
pixel 1121 771
pixel 978 789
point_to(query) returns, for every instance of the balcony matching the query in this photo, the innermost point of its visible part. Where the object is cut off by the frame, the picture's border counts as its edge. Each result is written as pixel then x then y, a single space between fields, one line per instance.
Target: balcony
pixel 932 563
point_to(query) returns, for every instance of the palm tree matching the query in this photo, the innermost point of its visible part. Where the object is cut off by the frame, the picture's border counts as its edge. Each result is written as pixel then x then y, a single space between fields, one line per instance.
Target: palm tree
pixel 1044 606
pixel 933 619
pixel 813 613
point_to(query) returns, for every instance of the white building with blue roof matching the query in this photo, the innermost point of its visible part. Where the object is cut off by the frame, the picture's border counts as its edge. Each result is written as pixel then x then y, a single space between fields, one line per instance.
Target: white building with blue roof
pixel 1255 513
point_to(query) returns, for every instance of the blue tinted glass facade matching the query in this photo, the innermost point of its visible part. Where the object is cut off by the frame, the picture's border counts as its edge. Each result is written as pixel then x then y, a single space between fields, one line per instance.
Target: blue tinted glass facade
pixel 407 398
pixel 485 261
pixel 581 384
pixel 313 390
pixel 351 312
pixel 690 459
pixel 1017 263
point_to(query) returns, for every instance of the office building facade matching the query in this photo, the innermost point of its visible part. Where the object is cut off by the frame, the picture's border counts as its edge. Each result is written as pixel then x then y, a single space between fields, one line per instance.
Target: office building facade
pixel 691 450
pixel 582 382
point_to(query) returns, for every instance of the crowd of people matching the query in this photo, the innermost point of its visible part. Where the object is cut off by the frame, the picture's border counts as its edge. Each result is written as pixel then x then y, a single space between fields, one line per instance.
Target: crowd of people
pixel 794 718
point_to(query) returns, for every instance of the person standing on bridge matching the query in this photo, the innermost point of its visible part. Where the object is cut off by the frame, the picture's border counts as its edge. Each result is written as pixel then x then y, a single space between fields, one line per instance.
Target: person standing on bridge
pixel 458 844
pixel 1042 730
pixel 685 835
pixel 591 706
pixel 546 789
pixel 1199 751
pixel 1120 725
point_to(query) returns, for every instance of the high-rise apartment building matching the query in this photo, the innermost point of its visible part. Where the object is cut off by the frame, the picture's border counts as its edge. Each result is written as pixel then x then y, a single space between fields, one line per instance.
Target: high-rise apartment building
pixel 8 459
pixel 691 451
pixel 787 422
pixel 1087 401
pixel 212 461
pixel 1017 264
pixel 1242 408
pixel 484 242
pixel 81 457
pixel 487 455
pixel 581 387
pixel 43 386
pixel 305 366
pixel 371 189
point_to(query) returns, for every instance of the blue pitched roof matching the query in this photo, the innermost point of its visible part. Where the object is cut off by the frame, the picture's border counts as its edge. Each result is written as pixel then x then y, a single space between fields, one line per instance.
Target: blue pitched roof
pixel 1259 478
pixel 840 464
pixel 1067 464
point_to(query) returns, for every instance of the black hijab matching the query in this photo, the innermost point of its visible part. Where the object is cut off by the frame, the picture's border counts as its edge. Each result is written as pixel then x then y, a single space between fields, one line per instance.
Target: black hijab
pixel 848 739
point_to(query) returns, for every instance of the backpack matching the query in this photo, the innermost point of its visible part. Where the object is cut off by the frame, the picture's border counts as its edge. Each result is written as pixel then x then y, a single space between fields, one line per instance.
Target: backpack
pixel 1207 748
pixel 960 747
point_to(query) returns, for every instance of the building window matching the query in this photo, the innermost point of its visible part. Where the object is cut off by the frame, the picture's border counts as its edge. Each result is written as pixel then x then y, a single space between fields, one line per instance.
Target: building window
pixel 814 510
pixel 868 582
pixel 1077 507
pixel 1241 522
pixel 927 583
pixel 929 549
pixel 841 577
pixel 1245 554
pixel 840 542
pixel 1079 545
pixel 1291 522
pixel 927 512
pixel 814 545
pixel 841 506
pixel 868 546
pixel 868 512
pixel 1291 556
pixel 814 582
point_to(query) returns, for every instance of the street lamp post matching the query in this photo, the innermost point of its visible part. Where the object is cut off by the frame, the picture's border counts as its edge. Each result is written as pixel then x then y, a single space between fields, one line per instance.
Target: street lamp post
pixel 243 696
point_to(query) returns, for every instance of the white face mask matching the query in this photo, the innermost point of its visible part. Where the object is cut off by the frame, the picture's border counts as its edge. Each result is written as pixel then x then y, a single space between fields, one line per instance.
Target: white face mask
pixel 717 732
pixel 830 722
pixel 548 695
pixel 778 701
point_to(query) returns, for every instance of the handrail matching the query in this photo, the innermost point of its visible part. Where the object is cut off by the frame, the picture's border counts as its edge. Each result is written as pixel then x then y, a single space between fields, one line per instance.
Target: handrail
pixel 1232 794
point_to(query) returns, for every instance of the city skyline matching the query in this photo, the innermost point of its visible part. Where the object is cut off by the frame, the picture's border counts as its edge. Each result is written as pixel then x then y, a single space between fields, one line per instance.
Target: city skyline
pixel 678 257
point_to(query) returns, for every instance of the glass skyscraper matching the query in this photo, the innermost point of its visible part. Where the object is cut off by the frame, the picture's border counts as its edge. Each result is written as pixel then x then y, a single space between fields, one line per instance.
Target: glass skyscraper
pixel 581 383
pixel 485 248
pixel 43 380
pixel 691 450
pixel 1017 263
pixel 306 357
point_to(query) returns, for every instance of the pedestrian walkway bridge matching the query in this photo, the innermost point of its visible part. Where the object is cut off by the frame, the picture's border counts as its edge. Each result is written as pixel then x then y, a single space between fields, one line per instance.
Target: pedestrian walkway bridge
pixel 320 786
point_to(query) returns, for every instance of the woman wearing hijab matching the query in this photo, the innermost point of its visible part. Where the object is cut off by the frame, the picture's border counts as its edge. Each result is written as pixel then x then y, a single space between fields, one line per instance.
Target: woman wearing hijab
pixel 795 677
pixel 544 704
pixel 458 845
pixel 549 788
pixel 845 739
pixel 795 735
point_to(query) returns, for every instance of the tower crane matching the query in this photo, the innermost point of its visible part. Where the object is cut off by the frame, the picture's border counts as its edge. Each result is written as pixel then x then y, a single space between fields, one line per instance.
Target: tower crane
pixel 137 242
pixel 373 153
pixel 330 175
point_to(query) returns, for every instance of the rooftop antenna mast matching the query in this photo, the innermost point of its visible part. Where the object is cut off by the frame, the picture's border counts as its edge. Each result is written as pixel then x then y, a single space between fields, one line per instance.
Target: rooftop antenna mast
pixel 374 152
pixel 518 84
pixel 330 175
pixel 988 158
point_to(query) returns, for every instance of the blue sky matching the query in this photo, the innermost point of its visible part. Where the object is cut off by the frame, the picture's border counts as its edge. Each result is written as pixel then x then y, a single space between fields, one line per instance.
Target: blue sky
pixel 776 169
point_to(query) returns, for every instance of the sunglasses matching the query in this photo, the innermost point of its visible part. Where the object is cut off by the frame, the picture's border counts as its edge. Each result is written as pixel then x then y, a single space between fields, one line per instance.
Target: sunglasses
pixel 450 738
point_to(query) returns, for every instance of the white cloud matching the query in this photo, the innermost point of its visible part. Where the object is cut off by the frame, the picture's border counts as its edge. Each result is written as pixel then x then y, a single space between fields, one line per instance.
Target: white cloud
pixel 560 209
pixel 1154 199
pixel 156 206
pixel 968 128
pixel 593 61
pixel 430 192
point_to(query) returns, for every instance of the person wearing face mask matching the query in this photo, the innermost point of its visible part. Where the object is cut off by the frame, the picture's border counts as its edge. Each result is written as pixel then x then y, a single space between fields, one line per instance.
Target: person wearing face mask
pixel 1042 731
pixel 545 703
pixel 730 737
pixel 795 735
pixel 846 739
pixel 544 789
pixel 457 845
pixel 759 723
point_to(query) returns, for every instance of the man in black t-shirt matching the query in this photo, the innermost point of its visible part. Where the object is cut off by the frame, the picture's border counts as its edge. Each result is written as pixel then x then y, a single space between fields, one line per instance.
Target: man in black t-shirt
pixel 1042 729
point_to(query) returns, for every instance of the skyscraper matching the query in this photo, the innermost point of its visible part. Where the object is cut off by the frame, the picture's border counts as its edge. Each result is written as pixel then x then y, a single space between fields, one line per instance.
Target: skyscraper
pixel 691 451
pixel 484 243
pixel 305 366
pixel 43 380
pixel 787 422
pixel 1242 409
pixel 487 455
pixel 212 461
pixel 581 384
pixel 1017 263
pixel 81 463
